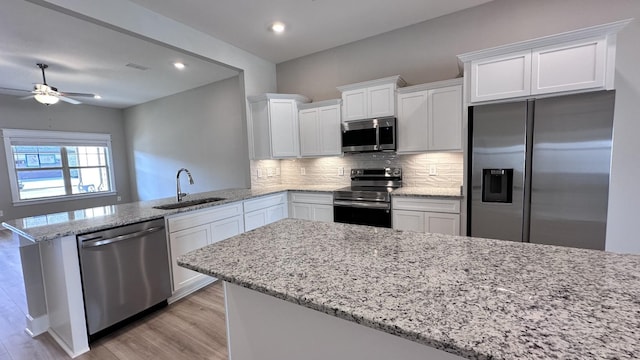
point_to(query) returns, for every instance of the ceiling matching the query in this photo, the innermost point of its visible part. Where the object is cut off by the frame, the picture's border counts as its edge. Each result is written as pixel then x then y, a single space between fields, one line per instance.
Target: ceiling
pixel 312 25
pixel 87 58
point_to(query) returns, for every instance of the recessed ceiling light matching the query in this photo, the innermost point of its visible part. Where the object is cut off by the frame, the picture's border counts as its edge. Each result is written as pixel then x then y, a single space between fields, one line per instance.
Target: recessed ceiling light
pixel 277 27
pixel 179 65
pixel 97 96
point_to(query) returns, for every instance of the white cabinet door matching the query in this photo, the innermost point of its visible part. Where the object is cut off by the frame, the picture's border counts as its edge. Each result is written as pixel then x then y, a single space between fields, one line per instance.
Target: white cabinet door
pixel 445 118
pixel 284 128
pixel 354 104
pixel 412 121
pixel 301 211
pixel 182 242
pixel 442 223
pixel 329 130
pixel 408 220
pixel 322 212
pixel 501 77
pixel 381 100
pixel 255 219
pixel 276 213
pixel 309 132
pixel 320 131
pixel 575 66
pixel 224 229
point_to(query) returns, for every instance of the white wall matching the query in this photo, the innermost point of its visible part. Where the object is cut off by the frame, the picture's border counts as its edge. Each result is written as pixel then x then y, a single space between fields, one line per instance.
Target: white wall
pixel 427 52
pixel 200 129
pixel 28 114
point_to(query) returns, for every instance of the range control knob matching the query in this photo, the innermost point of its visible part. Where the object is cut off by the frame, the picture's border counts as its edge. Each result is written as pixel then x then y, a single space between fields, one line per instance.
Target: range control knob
pixel 397 172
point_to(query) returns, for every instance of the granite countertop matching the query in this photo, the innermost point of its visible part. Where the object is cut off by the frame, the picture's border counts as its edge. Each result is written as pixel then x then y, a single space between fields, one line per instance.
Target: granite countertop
pixel 451 193
pixel 476 298
pixel 51 226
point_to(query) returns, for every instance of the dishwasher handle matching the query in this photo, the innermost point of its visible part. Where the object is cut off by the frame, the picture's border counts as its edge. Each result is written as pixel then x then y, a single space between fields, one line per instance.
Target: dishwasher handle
pixel 99 241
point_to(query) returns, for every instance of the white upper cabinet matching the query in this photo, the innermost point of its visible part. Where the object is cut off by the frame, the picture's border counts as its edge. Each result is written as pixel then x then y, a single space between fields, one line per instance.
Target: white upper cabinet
pixel 574 66
pixel 274 125
pixel 576 61
pixel 430 117
pixel 320 128
pixel 501 77
pixel 370 99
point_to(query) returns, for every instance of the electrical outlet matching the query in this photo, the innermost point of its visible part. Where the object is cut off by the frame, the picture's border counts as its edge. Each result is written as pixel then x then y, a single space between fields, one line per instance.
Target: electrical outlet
pixel 1 213
pixel 270 172
pixel 260 173
pixel 119 198
pixel 303 171
pixel 277 171
pixel 433 170
pixel 340 171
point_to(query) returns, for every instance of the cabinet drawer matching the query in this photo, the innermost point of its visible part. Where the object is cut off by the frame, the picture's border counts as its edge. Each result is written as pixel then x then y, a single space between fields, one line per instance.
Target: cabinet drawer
pixel 265 202
pixel 426 204
pixel 204 216
pixel 311 198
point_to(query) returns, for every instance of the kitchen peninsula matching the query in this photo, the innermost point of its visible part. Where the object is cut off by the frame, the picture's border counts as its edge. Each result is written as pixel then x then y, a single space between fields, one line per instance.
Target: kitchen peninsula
pixel 290 286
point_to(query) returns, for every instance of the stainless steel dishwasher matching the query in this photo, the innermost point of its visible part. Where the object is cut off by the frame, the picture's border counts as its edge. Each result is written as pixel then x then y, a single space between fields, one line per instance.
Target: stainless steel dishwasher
pixel 125 271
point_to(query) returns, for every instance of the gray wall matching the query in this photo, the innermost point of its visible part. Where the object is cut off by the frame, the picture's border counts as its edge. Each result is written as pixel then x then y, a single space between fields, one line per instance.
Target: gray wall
pixel 200 129
pixel 427 52
pixel 28 114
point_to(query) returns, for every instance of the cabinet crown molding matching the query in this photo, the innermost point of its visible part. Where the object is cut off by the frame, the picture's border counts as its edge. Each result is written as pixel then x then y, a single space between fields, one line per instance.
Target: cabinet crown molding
pixel 397 79
pixel 573 35
pixel 270 96
pixel 317 104
pixel 431 85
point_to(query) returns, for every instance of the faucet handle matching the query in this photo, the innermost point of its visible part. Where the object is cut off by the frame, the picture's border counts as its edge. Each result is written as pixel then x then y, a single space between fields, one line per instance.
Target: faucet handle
pixel 181 196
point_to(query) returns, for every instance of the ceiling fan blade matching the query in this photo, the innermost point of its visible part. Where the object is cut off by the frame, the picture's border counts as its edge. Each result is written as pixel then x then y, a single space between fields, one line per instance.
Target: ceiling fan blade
pixel 77 94
pixel 26 97
pixel 10 89
pixel 69 100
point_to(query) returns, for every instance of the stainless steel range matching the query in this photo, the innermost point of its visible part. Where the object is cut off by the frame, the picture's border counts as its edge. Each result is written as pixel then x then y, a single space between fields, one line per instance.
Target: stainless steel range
pixel 367 201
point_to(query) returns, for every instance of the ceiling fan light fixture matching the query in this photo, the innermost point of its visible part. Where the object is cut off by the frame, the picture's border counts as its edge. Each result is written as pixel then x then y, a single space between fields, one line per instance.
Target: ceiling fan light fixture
pixel 46 99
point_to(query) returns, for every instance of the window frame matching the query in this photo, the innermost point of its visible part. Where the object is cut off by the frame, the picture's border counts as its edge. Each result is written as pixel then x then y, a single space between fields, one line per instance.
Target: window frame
pixel 17 137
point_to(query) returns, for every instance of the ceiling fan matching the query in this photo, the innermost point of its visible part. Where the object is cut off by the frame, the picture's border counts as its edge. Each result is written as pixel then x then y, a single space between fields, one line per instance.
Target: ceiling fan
pixel 49 95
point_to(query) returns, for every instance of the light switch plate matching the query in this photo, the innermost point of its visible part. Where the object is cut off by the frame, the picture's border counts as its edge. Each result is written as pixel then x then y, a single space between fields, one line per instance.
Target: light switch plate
pixel 1 213
pixel 433 170
pixel 303 171
pixel 260 173
pixel 277 171
pixel 270 172
pixel 340 171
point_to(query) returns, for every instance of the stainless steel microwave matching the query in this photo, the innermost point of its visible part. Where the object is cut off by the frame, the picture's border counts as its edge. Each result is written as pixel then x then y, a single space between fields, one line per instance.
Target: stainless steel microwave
pixel 369 135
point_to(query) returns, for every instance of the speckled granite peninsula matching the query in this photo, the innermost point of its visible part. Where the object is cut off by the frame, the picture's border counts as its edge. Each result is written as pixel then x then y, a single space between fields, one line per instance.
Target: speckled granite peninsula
pixel 475 298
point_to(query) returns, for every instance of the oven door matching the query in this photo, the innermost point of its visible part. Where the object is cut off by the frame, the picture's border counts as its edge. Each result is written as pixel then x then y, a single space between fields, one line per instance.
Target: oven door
pixel 362 213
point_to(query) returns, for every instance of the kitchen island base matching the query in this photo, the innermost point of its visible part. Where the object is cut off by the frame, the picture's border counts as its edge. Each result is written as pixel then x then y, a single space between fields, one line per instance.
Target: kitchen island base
pixel 260 326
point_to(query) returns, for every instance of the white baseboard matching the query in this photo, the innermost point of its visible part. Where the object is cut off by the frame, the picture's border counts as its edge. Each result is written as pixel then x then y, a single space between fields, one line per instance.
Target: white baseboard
pixel 37 326
pixel 197 285
pixel 65 347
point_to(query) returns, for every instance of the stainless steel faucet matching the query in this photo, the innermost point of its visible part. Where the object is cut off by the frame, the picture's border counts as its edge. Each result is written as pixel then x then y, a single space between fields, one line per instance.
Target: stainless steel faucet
pixel 179 192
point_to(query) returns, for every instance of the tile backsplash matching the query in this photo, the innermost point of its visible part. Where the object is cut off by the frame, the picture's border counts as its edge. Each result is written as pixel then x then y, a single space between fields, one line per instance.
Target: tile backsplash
pixel 446 169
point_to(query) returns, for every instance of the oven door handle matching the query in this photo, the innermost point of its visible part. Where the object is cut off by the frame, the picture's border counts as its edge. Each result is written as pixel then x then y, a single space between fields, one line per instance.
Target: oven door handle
pixel 363 204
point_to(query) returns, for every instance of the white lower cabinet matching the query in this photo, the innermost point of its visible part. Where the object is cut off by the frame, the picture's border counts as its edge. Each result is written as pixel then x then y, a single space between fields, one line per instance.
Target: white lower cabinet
pixel 311 206
pixel 191 231
pixel 265 210
pixel 426 215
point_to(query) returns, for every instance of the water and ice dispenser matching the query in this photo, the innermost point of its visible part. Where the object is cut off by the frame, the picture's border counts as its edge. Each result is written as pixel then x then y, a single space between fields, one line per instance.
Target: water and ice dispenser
pixel 497 185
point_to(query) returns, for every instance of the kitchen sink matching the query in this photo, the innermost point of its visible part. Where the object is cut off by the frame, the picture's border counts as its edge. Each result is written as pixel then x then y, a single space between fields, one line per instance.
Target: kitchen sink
pixel 188 203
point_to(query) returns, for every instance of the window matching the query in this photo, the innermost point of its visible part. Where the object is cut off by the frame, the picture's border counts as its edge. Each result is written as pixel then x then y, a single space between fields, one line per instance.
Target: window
pixel 57 165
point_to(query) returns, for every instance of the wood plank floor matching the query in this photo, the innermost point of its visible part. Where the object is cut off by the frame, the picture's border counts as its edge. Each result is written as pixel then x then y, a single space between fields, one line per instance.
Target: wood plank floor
pixel 192 328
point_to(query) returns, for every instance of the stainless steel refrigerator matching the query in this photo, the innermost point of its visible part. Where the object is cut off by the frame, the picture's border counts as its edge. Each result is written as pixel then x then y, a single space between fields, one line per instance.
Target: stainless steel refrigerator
pixel 540 170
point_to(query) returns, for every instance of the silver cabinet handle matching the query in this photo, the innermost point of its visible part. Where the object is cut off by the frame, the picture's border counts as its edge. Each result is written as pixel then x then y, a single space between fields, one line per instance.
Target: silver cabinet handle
pixel 100 242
